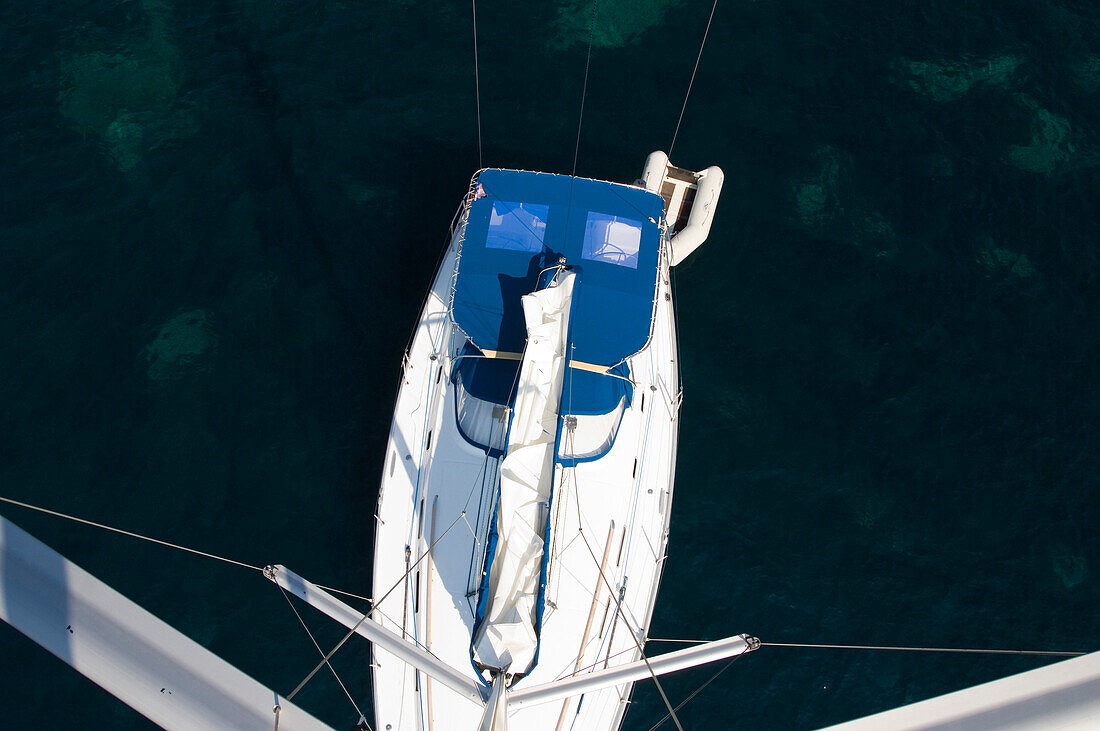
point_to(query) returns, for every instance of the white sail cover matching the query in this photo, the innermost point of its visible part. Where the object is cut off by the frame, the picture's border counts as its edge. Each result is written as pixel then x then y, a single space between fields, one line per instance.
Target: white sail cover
pixel 506 639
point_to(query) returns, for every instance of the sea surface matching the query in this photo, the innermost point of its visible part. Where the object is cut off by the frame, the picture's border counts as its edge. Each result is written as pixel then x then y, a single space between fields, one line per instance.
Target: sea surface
pixel 218 220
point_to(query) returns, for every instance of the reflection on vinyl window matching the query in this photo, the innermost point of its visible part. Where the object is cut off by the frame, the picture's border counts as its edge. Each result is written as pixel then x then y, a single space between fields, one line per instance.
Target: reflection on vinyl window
pixel 517 226
pixel 612 239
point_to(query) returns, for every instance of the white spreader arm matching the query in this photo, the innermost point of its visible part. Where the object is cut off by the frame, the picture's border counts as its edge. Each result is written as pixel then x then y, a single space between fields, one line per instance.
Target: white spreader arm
pixel 514 698
pixel 163 675
pixel 389 641
pixel 669 662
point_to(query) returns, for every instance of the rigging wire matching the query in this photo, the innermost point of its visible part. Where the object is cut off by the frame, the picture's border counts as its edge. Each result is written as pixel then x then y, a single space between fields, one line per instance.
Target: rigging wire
pixel 692 82
pixel 622 614
pixel 697 691
pixel 580 117
pixel 967 650
pixel 634 636
pixel 711 679
pixel 367 614
pixel 375 603
pixel 167 544
pixel 584 91
pixel 177 546
pixel 345 593
pixel 362 718
pixel 477 87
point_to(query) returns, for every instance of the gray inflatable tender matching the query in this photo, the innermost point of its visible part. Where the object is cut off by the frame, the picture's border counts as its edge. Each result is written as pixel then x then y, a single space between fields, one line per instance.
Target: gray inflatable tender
pixel 690 201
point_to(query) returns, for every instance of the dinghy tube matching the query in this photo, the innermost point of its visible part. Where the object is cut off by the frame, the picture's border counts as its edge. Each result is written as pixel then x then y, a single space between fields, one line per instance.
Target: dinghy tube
pixel 690 201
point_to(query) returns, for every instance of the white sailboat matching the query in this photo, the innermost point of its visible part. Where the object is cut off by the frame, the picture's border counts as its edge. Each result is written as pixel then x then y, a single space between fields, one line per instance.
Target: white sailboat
pixel 525 501
pixel 527 492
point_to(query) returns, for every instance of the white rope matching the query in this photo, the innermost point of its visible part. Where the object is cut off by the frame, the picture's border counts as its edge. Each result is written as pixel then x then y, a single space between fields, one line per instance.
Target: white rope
pixel 690 83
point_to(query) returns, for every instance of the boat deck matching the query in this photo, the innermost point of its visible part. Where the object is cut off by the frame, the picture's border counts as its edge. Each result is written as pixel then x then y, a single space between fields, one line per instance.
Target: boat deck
pixel 439 488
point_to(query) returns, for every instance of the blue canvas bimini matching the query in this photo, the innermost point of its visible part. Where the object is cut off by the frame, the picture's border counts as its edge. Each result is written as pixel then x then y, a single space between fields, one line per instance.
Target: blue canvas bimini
pixel 521 223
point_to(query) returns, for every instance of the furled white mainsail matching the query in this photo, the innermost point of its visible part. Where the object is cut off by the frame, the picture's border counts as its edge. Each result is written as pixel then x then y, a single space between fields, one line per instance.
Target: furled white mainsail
pixel 506 639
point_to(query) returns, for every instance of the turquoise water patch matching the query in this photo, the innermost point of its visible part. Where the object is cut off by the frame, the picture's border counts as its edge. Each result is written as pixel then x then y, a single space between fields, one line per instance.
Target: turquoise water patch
pixel 871 508
pixel 940 166
pixel 128 97
pixel 362 192
pixel 1004 261
pixel 618 22
pixel 182 344
pixel 873 225
pixel 125 140
pixel 1071 568
pixel 1086 73
pixel 824 205
pixel 816 196
pixel 945 81
pixel 1051 146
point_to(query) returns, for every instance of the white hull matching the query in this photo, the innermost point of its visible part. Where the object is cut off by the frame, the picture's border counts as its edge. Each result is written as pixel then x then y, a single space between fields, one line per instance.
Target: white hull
pixel 435 483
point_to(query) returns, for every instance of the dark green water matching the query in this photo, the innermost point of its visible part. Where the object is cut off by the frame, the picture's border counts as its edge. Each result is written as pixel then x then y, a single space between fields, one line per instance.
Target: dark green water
pixel 218 219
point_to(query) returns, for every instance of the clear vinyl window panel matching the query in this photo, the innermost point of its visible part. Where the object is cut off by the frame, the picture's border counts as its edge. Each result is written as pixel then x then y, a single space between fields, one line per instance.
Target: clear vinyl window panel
pixel 612 239
pixel 517 226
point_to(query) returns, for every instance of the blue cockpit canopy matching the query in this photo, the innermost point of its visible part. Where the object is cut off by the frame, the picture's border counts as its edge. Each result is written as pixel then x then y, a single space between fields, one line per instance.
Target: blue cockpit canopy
pixel 521 223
